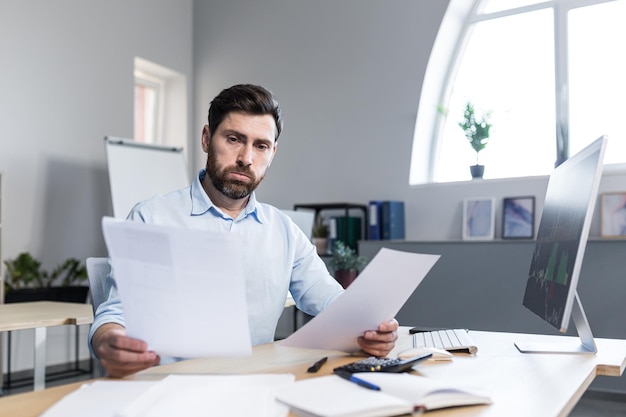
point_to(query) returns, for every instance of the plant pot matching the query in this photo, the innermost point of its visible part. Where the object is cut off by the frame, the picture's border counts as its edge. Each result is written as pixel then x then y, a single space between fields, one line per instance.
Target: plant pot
pixel 321 243
pixel 345 277
pixel 73 294
pixel 477 171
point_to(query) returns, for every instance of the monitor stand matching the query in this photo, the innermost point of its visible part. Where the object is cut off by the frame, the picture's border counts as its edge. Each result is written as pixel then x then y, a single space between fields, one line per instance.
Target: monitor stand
pixel 586 346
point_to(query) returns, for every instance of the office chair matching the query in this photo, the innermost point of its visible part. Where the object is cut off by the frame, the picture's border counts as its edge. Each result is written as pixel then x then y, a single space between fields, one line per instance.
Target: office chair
pixel 97 271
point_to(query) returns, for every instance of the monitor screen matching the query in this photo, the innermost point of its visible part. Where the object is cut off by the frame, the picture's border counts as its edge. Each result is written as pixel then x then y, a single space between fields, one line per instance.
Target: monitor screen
pixel 562 235
pixel 303 219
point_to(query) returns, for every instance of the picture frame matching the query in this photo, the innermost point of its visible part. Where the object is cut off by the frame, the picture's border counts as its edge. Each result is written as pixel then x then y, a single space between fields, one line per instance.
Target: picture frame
pixel 518 217
pixel 479 218
pixel 613 215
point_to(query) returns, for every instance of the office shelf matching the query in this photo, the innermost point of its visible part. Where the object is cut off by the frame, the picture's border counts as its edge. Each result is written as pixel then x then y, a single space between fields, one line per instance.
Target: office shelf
pixel 347 209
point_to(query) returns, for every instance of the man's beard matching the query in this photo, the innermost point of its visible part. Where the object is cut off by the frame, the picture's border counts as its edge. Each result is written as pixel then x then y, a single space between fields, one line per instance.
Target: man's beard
pixel 231 188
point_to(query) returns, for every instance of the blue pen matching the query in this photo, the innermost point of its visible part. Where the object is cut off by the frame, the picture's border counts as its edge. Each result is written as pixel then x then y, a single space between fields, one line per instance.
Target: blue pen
pixel 359 381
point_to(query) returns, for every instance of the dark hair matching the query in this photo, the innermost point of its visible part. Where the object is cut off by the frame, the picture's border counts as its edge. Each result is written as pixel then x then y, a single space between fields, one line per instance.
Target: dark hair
pixel 245 98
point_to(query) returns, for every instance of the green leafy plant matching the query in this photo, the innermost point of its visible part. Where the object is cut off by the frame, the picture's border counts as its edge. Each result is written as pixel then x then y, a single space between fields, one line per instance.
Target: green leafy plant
pixel 345 258
pixel 476 129
pixel 71 272
pixel 25 272
pixel 320 229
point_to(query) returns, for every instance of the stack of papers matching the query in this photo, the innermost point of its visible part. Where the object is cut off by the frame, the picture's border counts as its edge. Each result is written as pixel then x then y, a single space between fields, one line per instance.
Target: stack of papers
pixel 184 395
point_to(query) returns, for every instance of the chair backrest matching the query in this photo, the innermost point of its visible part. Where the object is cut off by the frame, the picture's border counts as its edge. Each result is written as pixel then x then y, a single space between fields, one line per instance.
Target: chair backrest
pixel 97 271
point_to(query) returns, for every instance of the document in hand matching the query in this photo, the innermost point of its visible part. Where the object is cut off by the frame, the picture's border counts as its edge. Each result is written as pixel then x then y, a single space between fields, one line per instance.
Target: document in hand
pixel 377 295
pixel 400 393
pixel 177 290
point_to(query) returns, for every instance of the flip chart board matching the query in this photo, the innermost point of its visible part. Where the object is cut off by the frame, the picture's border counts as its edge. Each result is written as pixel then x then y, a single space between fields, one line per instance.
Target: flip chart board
pixel 138 171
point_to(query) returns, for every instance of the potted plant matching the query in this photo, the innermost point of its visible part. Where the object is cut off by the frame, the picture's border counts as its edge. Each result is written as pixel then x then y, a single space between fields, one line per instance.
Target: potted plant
pixel 320 235
pixel 345 263
pixel 26 281
pixel 477 133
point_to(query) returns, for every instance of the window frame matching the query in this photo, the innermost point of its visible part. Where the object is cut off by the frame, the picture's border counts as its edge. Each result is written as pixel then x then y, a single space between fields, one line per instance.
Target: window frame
pixel 446 55
pixel 173 120
pixel 156 83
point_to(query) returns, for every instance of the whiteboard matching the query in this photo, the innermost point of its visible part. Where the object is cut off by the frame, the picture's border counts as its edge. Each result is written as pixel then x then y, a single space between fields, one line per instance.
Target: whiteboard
pixel 138 171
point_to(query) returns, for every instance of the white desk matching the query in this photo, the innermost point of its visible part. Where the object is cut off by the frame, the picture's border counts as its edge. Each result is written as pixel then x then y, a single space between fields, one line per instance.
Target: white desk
pixel 40 315
pixel 520 384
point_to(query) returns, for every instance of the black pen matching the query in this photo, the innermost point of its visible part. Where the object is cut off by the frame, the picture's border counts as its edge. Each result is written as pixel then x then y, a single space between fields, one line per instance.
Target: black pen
pixel 317 365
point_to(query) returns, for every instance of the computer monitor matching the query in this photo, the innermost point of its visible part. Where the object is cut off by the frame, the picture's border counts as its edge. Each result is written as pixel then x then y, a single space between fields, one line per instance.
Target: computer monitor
pixel 561 240
pixel 303 219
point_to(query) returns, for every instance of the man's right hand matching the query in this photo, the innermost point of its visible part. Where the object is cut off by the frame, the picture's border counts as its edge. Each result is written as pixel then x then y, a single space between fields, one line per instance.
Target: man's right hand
pixel 119 354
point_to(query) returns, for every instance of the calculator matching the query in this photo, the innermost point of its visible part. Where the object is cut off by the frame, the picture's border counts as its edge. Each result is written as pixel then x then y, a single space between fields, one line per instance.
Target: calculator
pixel 375 364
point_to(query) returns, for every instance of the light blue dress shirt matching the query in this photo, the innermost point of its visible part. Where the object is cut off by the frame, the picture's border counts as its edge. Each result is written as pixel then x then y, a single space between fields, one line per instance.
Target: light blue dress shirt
pixel 278 258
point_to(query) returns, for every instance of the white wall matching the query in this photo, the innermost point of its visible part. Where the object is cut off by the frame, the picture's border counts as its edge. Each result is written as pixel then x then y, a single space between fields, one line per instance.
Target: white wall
pixel 66 78
pixel 66 82
pixel 434 211
pixel 348 75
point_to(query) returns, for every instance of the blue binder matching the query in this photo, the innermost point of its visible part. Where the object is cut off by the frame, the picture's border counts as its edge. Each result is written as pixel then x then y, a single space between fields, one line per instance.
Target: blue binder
pixel 392 220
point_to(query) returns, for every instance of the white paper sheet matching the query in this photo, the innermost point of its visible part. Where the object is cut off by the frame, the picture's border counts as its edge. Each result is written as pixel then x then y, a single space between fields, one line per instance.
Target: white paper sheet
pixel 177 395
pixel 377 295
pixel 182 290
pixel 212 395
pixel 99 399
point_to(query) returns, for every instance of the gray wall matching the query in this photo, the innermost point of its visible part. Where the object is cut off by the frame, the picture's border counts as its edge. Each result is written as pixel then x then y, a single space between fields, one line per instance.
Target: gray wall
pixel 66 81
pixel 348 75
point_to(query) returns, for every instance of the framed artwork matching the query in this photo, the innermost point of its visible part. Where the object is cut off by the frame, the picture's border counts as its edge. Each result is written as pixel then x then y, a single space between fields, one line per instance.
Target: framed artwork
pixel 613 206
pixel 478 218
pixel 518 218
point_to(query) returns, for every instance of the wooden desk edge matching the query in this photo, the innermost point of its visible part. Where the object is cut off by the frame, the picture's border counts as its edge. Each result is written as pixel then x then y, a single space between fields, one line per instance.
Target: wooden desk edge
pixel 614 369
pixel 610 370
pixel 35 403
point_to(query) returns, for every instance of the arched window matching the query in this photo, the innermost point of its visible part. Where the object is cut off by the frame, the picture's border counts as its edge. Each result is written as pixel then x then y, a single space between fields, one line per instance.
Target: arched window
pixel 550 75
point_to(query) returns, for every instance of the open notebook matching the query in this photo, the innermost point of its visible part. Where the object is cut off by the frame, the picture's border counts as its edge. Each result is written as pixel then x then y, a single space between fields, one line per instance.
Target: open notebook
pixel 400 393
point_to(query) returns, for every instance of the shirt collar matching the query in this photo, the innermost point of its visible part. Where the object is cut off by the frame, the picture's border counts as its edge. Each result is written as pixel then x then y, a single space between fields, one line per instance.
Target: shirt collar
pixel 201 203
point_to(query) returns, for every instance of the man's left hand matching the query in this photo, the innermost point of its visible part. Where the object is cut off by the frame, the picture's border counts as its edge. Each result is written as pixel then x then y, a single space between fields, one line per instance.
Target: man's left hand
pixel 381 341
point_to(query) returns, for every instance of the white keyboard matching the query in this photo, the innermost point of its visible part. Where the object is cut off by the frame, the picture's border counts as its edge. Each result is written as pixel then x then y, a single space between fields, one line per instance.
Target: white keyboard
pixel 452 340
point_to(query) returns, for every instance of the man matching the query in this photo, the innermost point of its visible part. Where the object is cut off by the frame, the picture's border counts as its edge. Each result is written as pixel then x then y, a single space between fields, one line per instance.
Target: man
pixel 240 140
